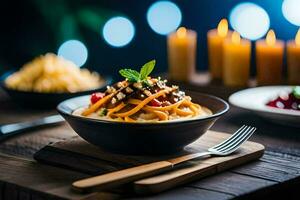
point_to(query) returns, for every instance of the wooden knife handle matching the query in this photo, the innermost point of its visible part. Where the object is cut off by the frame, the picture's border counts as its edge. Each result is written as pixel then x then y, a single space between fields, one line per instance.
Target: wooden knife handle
pixel 117 178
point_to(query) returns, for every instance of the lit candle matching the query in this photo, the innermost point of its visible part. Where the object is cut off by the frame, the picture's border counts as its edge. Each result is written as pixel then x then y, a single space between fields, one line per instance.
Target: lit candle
pixel 269 59
pixel 236 61
pixel 293 60
pixel 182 54
pixel 215 40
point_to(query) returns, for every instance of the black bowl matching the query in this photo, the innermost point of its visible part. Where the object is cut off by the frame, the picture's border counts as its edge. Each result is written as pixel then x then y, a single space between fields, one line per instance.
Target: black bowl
pixel 142 138
pixel 44 100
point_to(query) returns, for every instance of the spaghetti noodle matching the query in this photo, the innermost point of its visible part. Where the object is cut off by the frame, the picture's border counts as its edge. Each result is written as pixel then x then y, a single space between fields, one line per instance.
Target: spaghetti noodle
pixel 144 100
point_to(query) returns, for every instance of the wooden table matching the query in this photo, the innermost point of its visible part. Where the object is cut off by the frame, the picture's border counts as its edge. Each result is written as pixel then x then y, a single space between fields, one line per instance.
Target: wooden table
pixel 276 175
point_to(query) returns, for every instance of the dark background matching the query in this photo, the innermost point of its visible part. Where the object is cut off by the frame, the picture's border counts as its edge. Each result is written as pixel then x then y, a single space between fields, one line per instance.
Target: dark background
pixel 33 27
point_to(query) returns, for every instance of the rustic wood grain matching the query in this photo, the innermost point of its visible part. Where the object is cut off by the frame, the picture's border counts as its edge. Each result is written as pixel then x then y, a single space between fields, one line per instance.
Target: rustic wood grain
pixel 187 193
pixel 283 141
pixel 40 181
pixel 233 184
pixel 120 177
pixel 268 171
pixel 249 151
pixel 77 149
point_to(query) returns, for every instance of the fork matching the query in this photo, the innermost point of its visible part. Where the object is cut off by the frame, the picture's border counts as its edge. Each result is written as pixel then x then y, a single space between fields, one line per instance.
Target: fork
pixel 128 175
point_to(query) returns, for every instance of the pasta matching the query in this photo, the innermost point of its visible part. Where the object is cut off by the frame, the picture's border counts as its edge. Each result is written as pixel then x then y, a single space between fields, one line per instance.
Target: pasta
pixel 151 103
pixel 53 74
pixel 141 98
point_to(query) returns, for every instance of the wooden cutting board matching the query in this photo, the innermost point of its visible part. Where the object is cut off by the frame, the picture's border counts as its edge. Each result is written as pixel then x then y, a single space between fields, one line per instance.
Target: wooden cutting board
pixel 77 154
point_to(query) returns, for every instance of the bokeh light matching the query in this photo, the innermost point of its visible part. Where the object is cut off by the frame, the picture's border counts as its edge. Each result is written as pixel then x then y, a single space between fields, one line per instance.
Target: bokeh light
pixel 118 31
pixel 75 51
pixel 291 11
pixel 250 20
pixel 164 17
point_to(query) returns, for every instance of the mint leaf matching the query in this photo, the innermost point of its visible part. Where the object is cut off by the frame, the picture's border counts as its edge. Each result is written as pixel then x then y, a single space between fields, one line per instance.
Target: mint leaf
pixel 147 69
pixel 296 92
pixel 134 76
pixel 130 74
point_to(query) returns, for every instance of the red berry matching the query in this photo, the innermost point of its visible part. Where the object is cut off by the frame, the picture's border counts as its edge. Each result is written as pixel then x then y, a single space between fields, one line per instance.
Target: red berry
pixel 155 103
pixel 285 103
pixel 96 97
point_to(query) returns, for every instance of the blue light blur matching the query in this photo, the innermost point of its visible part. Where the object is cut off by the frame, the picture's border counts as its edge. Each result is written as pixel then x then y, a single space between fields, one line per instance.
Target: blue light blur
pixel 250 20
pixel 75 51
pixel 118 31
pixel 164 17
pixel 291 11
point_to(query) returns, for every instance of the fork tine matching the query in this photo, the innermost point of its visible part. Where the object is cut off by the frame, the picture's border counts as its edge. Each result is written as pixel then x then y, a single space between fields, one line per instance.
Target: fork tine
pixel 244 135
pixel 231 138
pixel 237 138
pixel 236 144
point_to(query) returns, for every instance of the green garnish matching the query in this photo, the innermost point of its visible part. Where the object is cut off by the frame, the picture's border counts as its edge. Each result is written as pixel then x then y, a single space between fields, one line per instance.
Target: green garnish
pixel 102 112
pixel 131 75
pixel 147 69
pixel 134 76
pixel 296 92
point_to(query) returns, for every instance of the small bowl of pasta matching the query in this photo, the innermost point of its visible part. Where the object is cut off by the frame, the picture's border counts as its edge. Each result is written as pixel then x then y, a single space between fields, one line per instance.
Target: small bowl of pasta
pixel 142 114
pixel 49 79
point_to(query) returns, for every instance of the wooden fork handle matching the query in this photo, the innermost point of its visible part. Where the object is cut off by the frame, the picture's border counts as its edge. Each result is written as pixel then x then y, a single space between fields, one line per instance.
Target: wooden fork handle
pixel 121 177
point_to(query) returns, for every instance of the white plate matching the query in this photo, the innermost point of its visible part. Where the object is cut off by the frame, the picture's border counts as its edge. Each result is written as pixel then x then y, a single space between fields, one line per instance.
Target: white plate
pixel 255 99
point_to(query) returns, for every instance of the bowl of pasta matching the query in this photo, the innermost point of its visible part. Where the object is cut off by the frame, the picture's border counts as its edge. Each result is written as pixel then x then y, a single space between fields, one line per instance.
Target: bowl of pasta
pixel 49 79
pixel 142 115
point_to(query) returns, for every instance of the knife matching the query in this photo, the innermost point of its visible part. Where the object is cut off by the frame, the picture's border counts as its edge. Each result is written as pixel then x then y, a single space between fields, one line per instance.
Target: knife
pixel 9 130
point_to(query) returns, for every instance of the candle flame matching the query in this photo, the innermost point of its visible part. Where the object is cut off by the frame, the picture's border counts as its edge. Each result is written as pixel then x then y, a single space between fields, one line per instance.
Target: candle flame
pixel 271 38
pixel 236 38
pixel 223 28
pixel 297 38
pixel 181 32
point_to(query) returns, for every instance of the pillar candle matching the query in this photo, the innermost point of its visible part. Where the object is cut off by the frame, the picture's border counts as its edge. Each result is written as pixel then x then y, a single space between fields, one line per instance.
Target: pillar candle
pixel 182 54
pixel 236 61
pixel 269 60
pixel 293 60
pixel 215 40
